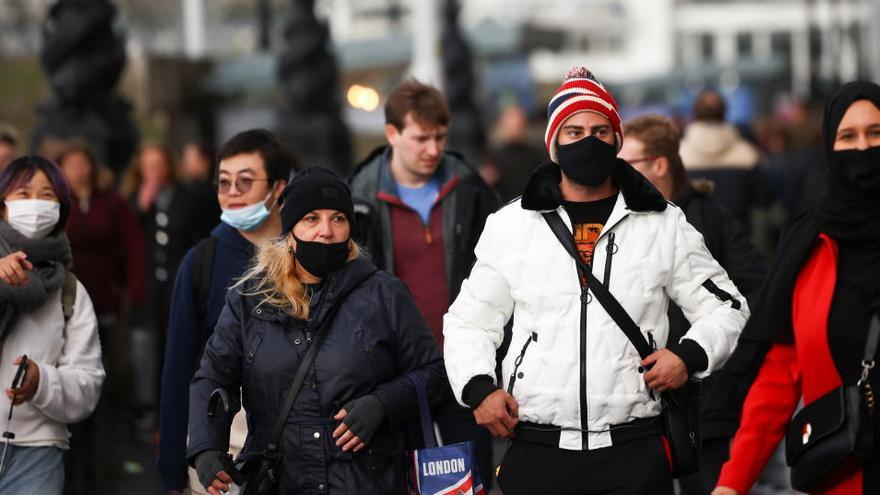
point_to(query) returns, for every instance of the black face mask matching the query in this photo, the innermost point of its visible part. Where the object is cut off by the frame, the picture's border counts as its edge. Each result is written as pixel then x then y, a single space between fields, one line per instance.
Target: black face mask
pixel 859 168
pixel 589 161
pixel 319 258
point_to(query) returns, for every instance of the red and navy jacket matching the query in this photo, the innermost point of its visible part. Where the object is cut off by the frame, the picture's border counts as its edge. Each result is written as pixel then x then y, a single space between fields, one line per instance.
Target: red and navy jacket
pixel 432 259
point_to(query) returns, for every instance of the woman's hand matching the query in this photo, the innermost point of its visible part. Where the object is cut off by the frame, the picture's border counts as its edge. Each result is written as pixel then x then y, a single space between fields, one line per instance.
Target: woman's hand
pixel 210 469
pixel 723 490
pixel 14 268
pixel 29 383
pixel 360 418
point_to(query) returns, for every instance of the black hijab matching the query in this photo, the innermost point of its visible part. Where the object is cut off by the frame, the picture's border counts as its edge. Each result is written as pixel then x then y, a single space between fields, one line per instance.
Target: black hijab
pixel 847 213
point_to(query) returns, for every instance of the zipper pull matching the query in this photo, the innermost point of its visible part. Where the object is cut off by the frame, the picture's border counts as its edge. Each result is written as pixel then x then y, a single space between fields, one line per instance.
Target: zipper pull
pixel 428 238
pixel 652 341
pixel 609 248
pixel 308 337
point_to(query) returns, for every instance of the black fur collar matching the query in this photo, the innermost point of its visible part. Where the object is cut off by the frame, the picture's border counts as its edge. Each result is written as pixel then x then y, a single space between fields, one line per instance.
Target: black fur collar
pixel 542 191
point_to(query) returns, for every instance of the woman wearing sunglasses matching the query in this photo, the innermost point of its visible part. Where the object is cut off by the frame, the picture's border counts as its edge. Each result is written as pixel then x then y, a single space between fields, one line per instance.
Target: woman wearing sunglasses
pixel 63 371
pixel 311 287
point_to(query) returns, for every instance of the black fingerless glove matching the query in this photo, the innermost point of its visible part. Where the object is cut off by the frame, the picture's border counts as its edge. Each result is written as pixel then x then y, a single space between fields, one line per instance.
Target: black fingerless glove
pixel 208 463
pixel 365 414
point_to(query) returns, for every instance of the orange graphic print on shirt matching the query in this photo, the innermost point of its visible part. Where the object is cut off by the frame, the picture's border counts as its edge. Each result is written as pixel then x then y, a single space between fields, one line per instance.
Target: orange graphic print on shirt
pixel 585 237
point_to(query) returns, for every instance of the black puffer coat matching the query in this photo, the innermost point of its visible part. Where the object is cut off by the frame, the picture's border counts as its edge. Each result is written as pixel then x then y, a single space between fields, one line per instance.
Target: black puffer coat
pixel 376 337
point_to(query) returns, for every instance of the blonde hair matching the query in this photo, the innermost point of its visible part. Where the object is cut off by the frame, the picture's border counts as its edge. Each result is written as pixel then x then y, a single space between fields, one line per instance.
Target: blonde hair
pixel 273 272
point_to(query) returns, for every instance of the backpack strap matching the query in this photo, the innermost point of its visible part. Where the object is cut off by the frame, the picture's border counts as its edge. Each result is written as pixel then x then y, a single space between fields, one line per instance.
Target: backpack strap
pixel 202 271
pixel 68 295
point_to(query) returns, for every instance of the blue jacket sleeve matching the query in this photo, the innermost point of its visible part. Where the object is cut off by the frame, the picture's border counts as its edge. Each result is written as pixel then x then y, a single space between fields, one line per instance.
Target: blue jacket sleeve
pixel 221 367
pixel 180 355
pixel 415 351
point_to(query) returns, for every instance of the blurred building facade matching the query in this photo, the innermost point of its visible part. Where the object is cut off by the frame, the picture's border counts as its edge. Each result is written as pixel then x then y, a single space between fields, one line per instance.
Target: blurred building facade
pixel 649 51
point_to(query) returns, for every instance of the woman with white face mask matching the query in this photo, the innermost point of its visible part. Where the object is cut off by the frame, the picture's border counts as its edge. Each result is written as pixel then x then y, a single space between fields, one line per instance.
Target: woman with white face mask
pixel 54 342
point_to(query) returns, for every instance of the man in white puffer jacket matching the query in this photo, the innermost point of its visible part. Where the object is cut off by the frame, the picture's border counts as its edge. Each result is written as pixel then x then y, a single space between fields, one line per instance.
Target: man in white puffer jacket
pixel 577 399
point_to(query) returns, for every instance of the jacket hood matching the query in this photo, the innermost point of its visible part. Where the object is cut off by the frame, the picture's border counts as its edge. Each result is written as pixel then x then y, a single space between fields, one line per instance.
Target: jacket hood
pixel 707 144
pixel 229 236
pixel 542 191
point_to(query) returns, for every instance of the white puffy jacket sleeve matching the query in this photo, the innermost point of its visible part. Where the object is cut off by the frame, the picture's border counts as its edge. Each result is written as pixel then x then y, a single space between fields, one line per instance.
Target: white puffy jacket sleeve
pixel 474 326
pixel 69 389
pixel 706 295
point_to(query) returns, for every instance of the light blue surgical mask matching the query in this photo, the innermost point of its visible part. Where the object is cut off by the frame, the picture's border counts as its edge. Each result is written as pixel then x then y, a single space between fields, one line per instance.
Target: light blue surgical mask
pixel 247 218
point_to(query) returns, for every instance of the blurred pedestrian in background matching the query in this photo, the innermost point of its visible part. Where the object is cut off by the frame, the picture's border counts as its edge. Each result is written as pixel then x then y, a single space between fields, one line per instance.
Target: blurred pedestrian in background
pixel 196 162
pixel 651 147
pixel 108 258
pixel 713 149
pixel 809 332
pixel 253 169
pixel 312 286
pixel 420 212
pixel 47 323
pixel 172 222
pixel 9 138
pixel 513 156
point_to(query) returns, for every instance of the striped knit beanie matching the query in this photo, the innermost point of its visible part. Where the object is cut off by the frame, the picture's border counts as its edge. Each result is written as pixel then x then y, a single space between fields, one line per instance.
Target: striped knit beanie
pixel 580 92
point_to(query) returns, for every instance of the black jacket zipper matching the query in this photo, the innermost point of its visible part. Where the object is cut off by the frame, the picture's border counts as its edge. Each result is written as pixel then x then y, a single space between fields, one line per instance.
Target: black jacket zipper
pixel 518 361
pixel 585 412
pixel 610 249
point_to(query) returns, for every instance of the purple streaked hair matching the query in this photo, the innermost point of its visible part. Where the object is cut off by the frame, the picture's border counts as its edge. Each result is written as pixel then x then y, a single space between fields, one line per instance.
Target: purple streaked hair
pixel 21 170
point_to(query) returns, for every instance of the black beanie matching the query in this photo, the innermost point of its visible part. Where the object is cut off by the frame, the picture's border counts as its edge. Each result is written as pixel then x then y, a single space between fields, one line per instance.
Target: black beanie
pixel 312 189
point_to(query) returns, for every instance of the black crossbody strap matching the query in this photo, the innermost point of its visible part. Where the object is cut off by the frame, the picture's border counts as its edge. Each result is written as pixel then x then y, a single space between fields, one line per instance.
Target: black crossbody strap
pixel 873 338
pixel 302 370
pixel 606 299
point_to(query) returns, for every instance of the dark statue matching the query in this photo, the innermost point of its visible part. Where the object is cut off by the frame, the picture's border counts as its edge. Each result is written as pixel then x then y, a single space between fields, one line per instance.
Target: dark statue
pixel 83 57
pixel 466 133
pixel 310 119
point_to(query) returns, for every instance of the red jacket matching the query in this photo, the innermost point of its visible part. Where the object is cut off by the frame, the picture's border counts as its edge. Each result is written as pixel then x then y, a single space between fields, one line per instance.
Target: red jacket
pixel 782 381
pixel 108 251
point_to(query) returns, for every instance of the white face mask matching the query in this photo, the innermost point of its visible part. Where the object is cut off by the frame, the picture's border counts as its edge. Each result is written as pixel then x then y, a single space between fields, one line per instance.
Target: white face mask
pixel 33 218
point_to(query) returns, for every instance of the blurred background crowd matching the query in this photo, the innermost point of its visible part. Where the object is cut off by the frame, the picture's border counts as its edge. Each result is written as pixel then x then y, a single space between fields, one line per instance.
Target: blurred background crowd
pixel 130 97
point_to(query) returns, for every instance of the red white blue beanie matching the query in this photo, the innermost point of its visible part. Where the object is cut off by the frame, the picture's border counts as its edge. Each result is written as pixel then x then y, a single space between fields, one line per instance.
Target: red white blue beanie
pixel 580 92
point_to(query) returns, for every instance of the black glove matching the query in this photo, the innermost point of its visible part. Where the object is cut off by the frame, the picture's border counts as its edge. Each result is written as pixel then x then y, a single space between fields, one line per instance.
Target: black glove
pixel 365 414
pixel 208 463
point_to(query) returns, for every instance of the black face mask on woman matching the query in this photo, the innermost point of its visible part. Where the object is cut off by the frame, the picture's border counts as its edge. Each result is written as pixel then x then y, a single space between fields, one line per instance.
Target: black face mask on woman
pixel 860 168
pixel 589 161
pixel 319 258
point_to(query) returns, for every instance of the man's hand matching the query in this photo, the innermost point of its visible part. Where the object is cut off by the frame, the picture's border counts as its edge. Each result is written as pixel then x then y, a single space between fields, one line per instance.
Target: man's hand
pixel 14 268
pixel 499 413
pixel 667 372
pixel 29 383
pixel 723 490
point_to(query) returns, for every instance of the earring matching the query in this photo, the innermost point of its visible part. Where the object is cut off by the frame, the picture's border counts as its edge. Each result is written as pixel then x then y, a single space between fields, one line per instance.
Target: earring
pixel 289 250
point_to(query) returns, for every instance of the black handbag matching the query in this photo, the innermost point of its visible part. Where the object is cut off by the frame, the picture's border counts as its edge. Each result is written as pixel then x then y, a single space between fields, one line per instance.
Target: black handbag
pixel 830 436
pixel 681 407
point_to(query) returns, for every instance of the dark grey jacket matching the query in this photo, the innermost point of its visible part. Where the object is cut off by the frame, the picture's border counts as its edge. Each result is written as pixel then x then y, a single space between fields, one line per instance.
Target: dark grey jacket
pixel 465 210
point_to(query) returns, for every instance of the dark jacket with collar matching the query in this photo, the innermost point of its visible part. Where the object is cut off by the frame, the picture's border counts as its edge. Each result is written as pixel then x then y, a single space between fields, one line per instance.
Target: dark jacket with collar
pixel 731 247
pixel 185 341
pixel 770 322
pixel 464 201
pixel 375 338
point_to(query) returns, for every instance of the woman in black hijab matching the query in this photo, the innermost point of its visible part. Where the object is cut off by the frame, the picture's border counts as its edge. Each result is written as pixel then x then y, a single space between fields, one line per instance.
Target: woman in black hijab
pixel 808 334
